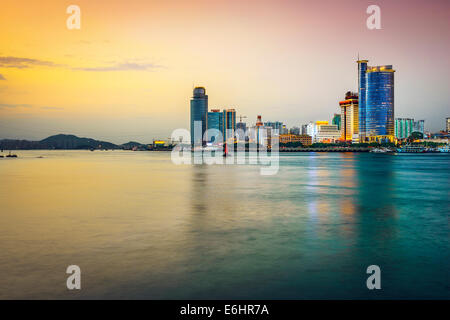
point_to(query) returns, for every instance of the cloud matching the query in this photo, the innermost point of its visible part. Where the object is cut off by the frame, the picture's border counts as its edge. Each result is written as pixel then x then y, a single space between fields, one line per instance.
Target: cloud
pixel 22 63
pixel 2 77
pixel 122 67
pixel 52 108
pixel 5 105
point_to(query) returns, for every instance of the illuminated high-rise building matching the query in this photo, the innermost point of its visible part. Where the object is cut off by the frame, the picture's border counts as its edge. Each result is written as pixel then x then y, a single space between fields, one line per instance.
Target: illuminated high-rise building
pixel 403 127
pixel 380 103
pixel 349 117
pixel 447 125
pixel 199 113
pixel 362 80
pixel 376 102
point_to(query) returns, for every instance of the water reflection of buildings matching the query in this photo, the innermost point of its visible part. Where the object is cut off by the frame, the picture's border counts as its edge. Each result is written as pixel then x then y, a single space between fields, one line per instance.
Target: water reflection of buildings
pixel 213 199
pixel 375 201
pixel 349 184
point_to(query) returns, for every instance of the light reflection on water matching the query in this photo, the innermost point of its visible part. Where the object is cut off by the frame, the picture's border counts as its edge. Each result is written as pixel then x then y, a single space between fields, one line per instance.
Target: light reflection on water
pixel 141 227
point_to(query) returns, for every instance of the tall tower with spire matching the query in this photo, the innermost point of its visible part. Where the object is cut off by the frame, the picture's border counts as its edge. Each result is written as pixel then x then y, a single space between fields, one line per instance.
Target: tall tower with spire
pixel 362 81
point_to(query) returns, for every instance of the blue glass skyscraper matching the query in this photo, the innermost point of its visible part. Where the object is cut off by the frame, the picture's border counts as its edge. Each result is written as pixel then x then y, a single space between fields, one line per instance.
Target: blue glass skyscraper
pixel 380 103
pixel 215 121
pixel 376 102
pixel 199 112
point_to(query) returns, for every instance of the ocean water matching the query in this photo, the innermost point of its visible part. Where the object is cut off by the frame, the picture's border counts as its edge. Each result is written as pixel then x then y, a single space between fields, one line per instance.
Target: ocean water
pixel 141 227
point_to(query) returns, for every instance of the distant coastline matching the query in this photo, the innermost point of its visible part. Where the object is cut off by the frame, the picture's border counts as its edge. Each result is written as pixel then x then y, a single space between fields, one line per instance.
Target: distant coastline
pixel 72 142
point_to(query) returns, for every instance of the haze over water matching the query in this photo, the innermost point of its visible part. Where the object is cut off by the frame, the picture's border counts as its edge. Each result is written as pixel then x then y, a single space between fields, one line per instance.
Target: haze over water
pixel 141 227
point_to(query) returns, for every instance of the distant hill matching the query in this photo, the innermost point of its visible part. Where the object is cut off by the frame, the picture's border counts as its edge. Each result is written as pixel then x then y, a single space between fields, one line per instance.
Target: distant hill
pixel 67 141
pixel 60 141
pixel 133 144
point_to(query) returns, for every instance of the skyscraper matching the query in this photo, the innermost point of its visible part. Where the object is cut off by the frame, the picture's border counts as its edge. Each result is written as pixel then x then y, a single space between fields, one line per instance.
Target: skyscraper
pixel 199 112
pixel 362 80
pixel 379 104
pixel 229 122
pixel 275 125
pixel 447 125
pixel 215 121
pixel 403 127
pixel 376 102
pixel 337 120
pixel 349 117
pixel 419 126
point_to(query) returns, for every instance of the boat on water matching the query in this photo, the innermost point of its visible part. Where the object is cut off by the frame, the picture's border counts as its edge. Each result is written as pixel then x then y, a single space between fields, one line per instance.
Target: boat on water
pixel 380 150
pixel 445 149
pixel 11 155
pixel 411 149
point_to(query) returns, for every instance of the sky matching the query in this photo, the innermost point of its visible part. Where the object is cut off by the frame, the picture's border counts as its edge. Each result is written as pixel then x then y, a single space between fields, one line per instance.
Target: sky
pixel 128 72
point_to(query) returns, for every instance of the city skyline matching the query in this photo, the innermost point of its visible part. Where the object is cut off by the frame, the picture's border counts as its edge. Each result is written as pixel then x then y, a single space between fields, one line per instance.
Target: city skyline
pixel 128 73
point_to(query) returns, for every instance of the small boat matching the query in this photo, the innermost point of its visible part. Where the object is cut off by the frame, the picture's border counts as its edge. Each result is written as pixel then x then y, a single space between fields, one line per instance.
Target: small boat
pixel 445 149
pixel 380 150
pixel 11 155
pixel 411 149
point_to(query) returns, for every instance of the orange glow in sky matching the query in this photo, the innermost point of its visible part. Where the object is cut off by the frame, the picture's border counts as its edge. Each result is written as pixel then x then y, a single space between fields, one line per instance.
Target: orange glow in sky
pixel 128 73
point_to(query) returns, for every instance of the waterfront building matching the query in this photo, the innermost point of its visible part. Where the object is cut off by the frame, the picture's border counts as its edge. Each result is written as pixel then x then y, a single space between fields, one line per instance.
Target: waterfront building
pixel 241 126
pixel 304 129
pixel 260 133
pixel 376 102
pixel 327 133
pixel 199 112
pixel 215 121
pixel 380 103
pixel 311 130
pixel 229 122
pixel 419 126
pixel 349 117
pixel 403 127
pixel 447 125
pixel 158 143
pixel 277 125
pixel 362 80
pixel 304 139
pixel 294 130
pixel 337 120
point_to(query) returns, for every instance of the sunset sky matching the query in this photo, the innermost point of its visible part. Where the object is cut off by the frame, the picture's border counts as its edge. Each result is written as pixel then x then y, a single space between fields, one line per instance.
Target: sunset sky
pixel 128 73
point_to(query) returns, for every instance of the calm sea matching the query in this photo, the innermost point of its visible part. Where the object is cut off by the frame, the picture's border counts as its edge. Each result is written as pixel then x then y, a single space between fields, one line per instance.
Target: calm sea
pixel 141 227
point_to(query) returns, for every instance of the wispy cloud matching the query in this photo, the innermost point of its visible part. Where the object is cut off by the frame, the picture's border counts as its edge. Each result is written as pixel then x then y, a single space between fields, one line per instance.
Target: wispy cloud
pixel 5 105
pixel 2 77
pixel 122 67
pixel 22 63
pixel 52 108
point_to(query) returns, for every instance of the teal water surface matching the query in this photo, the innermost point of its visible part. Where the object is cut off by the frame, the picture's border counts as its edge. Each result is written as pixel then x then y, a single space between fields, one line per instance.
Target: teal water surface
pixel 141 227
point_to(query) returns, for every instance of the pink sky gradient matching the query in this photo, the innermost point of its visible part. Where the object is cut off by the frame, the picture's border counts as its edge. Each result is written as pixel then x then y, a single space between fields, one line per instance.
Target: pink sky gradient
pixel 289 61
